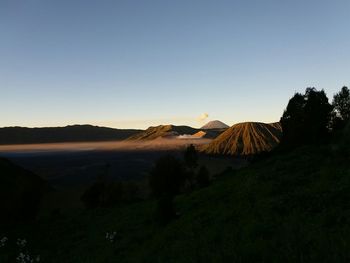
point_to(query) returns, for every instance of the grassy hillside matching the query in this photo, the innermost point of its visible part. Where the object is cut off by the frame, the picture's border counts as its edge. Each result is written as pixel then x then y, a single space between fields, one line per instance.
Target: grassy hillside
pixel 74 133
pixel 291 207
pixel 20 192
pixel 246 139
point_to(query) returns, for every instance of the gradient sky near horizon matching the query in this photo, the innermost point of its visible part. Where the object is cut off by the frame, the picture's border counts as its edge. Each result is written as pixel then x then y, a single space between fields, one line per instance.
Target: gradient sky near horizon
pixel 132 64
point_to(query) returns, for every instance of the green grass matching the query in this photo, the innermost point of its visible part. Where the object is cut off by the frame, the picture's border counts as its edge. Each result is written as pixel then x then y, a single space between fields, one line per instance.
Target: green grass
pixel 292 207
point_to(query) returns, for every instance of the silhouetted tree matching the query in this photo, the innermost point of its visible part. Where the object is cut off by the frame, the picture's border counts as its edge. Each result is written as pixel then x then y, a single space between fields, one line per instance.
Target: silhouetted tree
pixel 293 120
pixel 113 194
pixel 341 112
pixel 191 157
pixel 165 209
pixel 93 196
pixel 203 178
pixel 306 118
pixel 166 180
pixel 317 115
pixel 191 162
pixel 167 176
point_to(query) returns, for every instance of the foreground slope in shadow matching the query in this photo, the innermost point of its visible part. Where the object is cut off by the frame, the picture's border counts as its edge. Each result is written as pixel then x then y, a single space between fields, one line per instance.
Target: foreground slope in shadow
pixel 290 207
pixel 20 191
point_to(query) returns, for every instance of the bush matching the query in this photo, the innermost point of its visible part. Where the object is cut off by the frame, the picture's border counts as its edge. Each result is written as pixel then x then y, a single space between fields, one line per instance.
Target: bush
pixel 93 196
pixel 113 194
pixel 107 194
pixel 191 157
pixel 203 177
pixel 165 209
pixel 166 180
pixel 167 176
pixel 21 192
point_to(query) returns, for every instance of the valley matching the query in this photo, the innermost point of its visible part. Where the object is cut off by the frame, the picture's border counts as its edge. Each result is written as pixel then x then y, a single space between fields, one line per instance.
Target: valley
pixel 75 164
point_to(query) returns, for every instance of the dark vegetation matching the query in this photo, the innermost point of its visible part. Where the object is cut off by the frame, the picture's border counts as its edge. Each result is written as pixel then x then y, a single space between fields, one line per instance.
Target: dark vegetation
pixel 111 193
pixel 291 205
pixel 306 119
pixel 341 109
pixel 20 193
pixel 292 208
pixel 310 119
pixel 166 180
pixel 169 177
pixel 75 133
pixel 203 177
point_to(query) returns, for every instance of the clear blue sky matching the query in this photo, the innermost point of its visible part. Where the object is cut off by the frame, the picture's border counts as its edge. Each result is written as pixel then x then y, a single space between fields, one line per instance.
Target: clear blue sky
pixel 139 63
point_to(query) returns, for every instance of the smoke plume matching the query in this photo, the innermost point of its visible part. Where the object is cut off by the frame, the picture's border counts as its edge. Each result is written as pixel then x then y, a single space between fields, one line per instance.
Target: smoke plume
pixel 203 116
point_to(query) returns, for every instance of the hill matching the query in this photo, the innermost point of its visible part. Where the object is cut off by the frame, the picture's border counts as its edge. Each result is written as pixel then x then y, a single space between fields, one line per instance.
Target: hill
pixel 291 207
pixel 245 139
pixel 20 192
pixel 209 134
pixel 74 133
pixel 163 131
pixel 216 124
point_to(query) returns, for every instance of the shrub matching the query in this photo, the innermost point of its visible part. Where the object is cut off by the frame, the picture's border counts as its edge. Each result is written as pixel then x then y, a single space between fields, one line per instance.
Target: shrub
pixel 167 176
pixel 21 192
pixel 191 157
pixel 203 177
pixel 93 196
pixel 166 180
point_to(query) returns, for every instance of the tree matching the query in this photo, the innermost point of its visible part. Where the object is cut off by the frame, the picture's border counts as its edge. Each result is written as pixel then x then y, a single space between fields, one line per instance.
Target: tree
pixel 317 115
pixel 191 162
pixel 191 157
pixel 167 176
pixel 341 104
pixel 93 196
pixel 292 120
pixel 306 118
pixel 203 178
pixel 166 179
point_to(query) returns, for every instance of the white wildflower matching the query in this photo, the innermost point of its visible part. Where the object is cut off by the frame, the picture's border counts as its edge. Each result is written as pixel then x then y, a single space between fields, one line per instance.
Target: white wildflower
pixel 21 242
pixel 26 258
pixel 111 236
pixel 3 241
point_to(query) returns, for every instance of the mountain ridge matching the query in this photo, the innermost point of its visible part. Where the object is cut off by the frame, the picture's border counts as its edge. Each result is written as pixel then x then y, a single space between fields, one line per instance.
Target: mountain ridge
pixel 163 131
pixel 70 133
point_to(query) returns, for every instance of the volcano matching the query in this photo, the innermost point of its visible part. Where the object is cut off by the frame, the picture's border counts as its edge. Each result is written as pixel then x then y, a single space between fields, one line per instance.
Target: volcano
pixel 214 125
pixel 248 138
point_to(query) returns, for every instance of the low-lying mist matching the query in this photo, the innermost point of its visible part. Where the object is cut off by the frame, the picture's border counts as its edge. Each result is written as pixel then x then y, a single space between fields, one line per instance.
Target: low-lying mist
pixel 152 145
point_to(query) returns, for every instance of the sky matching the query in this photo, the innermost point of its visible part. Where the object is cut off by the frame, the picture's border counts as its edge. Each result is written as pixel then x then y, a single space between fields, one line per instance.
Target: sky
pixel 133 64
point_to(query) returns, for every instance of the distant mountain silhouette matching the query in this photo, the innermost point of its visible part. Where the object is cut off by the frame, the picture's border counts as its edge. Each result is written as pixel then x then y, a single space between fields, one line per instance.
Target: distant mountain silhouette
pixel 74 133
pixel 216 124
pixel 246 139
pixel 163 131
